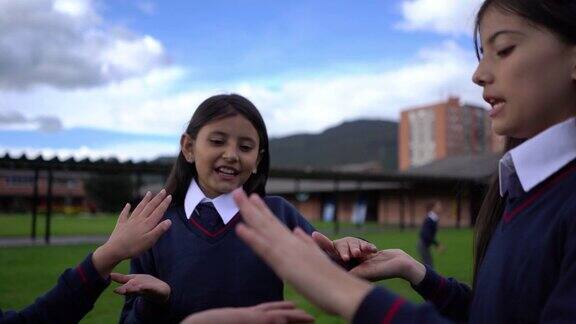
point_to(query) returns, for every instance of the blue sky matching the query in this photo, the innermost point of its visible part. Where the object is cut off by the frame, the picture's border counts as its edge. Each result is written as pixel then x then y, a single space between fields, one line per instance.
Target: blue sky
pixel 93 78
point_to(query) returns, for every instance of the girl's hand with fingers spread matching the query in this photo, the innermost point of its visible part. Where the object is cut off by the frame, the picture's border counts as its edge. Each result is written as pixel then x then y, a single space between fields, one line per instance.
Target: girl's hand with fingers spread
pixel 134 233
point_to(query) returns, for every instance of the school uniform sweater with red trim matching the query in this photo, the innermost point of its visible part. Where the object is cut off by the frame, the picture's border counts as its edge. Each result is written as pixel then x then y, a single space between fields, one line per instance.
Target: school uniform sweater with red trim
pixel 67 302
pixel 528 274
pixel 207 270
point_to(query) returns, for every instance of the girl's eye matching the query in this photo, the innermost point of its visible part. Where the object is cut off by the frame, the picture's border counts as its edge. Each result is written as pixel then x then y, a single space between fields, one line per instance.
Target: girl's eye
pixel 245 148
pixel 505 52
pixel 216 141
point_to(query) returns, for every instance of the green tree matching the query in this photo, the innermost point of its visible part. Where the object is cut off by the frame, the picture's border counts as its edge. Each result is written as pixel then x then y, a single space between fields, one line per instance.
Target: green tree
pixel 109 191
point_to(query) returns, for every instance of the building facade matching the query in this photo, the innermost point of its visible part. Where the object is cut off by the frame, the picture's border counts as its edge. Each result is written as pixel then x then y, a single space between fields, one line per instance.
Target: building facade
pixel 442 130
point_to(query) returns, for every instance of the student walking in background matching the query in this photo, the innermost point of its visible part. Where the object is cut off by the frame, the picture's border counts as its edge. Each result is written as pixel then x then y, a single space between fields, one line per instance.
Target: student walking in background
pixel 427 235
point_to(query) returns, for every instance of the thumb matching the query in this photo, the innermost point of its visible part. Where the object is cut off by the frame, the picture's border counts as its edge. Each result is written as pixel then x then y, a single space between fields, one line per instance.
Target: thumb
pixel 120 278
pixel 324 243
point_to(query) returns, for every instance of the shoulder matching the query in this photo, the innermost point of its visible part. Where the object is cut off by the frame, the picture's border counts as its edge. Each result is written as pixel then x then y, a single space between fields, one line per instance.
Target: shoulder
pixel 174 211
pixel 568 206
pixel 562 199
pixel 278 204
pixel 287 213
pixel 281 207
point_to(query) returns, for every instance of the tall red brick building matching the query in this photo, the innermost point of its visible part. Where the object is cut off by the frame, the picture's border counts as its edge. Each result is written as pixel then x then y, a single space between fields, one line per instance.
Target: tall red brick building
pixel 442 130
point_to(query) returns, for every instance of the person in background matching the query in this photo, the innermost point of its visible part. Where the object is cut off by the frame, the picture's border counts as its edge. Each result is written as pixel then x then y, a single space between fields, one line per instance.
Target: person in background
pixel 427 236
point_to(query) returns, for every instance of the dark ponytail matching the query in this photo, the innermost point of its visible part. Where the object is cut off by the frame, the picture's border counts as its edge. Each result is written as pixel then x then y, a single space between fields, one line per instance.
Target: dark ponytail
pixel 490 214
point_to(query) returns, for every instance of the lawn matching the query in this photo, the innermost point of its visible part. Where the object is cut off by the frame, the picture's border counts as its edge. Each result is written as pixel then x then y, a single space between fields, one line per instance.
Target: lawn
pixel 13 225
pixel 27 272
pixel 61 225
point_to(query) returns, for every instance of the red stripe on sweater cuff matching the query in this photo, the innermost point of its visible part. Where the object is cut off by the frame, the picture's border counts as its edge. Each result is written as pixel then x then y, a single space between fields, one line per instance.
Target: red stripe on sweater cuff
pixel 393 310
pixel 81 274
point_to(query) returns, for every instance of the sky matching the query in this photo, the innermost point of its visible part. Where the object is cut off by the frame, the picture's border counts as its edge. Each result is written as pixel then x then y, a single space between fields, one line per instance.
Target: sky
pixel 121 78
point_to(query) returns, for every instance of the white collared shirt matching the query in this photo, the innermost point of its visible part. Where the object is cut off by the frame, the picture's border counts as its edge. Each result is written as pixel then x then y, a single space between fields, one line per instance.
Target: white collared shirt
pixel 539 157
pixel 224 204
pixel 433 216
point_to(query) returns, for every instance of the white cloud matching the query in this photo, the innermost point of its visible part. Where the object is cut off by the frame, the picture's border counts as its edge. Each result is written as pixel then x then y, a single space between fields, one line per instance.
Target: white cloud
pixel 136 151
pixel 66 44
pixel 451 17
pixel 75 8
pixel 16 121
pixel 313 105
pixel 150 104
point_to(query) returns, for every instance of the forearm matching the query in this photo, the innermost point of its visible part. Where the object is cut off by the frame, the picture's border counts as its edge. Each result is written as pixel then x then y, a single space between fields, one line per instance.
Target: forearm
pixel 450 297
pixel 414 272
pixel 330 287
pixel 71 299
pixel 105 259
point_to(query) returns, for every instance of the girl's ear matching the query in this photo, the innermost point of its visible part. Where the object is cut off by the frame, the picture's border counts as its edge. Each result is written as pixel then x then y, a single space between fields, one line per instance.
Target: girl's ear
pixel 187 147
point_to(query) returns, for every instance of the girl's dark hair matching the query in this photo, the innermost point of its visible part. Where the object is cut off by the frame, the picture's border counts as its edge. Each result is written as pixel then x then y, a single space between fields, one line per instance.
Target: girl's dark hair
pixel 430 205
pixel 215 108
pixel 558 16
pixel 490 214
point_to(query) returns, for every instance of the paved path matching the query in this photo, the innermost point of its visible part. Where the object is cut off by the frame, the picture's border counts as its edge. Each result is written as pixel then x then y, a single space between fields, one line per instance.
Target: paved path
pixel 54 240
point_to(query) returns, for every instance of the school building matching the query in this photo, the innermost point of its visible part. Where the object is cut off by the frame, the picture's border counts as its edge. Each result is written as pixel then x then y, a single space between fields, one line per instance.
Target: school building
pixel 389 198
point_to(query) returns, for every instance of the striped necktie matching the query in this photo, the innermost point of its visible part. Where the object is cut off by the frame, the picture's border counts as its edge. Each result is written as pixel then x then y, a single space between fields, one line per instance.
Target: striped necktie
pixel 207 216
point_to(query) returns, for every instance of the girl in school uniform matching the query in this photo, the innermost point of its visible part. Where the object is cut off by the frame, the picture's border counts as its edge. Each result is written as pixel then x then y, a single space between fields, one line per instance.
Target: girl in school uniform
pixel 525 241
pixel 201 260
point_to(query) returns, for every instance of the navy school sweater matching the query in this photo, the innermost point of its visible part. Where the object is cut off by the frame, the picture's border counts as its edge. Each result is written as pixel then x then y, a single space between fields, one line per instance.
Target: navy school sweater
pixel 67 302
pixel 428 232
pixel 207 272
pixel 528 274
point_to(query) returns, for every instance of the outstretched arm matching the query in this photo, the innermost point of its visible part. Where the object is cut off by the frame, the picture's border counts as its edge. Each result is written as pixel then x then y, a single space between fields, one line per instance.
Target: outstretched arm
pixel 79 288
pixel 296 258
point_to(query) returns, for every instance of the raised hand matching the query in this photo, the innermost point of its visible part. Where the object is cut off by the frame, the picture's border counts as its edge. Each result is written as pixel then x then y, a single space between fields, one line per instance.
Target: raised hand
pixel 266 313
pixel 133 233
pixel 147 286
pixel 393 263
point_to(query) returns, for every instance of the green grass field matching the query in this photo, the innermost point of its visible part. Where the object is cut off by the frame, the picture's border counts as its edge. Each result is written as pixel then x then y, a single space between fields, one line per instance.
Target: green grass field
pixel 27 272
pixel 61 225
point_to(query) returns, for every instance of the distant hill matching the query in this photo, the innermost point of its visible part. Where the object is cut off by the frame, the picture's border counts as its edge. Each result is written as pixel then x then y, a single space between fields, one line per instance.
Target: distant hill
pixel 360 142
